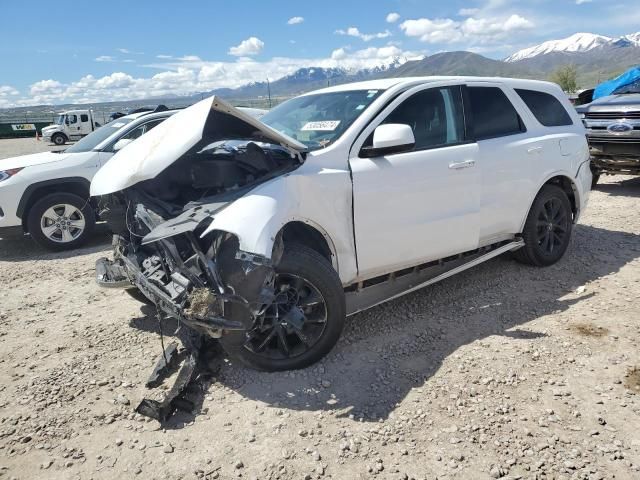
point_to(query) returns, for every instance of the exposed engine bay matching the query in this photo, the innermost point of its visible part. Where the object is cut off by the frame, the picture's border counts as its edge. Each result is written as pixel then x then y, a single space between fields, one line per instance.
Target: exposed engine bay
pixel 205 282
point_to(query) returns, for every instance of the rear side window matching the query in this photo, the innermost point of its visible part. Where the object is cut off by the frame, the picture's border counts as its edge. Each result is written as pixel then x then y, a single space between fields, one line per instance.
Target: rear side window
pixel 493 114
pixel 545 107
pixel 84 118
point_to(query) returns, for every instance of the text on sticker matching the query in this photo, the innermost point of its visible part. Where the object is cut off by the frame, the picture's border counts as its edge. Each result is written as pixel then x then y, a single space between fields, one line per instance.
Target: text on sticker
pixel 327 126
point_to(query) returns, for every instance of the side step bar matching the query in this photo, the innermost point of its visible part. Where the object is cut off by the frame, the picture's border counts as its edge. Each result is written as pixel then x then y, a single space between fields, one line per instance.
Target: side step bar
pixel 400 283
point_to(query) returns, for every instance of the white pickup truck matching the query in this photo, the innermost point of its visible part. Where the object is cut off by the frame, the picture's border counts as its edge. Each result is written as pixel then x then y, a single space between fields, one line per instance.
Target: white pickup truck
pixel 70 125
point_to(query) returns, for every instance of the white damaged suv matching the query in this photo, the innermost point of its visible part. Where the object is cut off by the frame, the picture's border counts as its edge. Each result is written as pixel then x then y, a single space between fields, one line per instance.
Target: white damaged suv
pixel 267 234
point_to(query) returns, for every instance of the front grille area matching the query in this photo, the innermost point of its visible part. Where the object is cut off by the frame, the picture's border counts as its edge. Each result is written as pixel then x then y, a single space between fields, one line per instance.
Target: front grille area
pixel 613 139
pixel 613 115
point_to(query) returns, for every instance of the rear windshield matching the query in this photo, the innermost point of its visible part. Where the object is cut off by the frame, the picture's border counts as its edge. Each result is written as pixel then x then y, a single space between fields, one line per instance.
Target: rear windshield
pixel 318 120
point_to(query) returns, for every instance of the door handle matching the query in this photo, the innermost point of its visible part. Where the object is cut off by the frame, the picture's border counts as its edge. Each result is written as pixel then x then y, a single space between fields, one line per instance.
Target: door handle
pixel 463 164
pixel 533 150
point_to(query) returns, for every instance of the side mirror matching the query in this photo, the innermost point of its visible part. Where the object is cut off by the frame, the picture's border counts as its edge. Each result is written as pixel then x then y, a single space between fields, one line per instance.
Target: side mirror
pixel 388 139
pixel 120 144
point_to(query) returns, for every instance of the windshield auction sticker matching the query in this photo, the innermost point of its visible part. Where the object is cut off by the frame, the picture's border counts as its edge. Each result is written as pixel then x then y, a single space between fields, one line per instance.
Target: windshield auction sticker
pixel 325 126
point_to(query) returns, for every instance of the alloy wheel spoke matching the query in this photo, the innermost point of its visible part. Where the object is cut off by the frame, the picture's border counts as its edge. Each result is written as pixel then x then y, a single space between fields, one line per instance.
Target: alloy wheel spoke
pixel 79 224
pixel 66 235
pixel 267 339
pixel 50 214
pixel 311 299
pixel 547 241
pixel 303 338
pixel 69 210
pixel 50 230
pixel 282 341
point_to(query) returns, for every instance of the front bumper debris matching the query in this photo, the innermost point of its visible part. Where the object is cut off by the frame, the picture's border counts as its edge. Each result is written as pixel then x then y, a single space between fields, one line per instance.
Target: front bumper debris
pixel 112 274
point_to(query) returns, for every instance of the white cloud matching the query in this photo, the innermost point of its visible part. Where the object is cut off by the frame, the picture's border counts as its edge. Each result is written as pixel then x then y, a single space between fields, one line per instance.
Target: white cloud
pixel 295 20
pixel 468 12
pixel 250 46
pixel 126 51
pixel 472 30
pixel 164 57
pixel 355 32
pixel 580 2
pixel 6 90
pixel 190 74
pixel 190 58
pixel 105 58
pixel 393 17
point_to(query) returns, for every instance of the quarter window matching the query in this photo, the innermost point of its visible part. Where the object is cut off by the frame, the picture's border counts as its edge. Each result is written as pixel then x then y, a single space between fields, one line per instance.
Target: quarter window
pixel 545 107
pixel 493 114
pixel 435 116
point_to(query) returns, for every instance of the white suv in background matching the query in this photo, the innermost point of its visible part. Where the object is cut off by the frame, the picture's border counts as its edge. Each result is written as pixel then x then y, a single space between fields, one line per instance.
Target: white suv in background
pixel 47 194
pixel 266 234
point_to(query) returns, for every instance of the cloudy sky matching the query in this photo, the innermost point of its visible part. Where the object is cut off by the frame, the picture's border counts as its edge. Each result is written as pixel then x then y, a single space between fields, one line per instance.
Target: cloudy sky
pixel 70 51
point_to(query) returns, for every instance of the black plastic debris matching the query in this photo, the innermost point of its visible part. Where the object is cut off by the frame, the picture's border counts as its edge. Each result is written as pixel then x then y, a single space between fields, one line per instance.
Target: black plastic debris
pixel 173 400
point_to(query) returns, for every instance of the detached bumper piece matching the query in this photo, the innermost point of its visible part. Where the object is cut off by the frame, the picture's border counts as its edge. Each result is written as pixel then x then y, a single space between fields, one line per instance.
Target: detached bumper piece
pixel 174 399
pixel 110 275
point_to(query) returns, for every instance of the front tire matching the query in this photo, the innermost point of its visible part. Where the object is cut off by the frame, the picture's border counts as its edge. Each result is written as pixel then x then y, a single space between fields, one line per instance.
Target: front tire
pixel 61 221
pixel 547 231
pixel 304 322
pixel 58 139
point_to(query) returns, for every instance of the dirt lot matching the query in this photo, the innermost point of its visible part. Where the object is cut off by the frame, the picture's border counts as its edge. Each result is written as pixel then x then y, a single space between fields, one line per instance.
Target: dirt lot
pixel 502 372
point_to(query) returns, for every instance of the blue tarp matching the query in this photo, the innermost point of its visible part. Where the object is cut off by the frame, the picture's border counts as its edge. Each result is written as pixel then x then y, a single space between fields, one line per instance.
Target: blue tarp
pixel 627 78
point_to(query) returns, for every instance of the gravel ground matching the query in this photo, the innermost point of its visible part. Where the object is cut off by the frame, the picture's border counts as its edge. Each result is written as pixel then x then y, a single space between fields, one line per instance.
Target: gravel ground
pixel 12 147
pixel 503 371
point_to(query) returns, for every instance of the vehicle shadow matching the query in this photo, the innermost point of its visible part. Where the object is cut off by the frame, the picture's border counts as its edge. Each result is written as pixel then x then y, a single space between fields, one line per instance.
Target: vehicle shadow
pixel 22 248
pixel 391 349
pixel 629 187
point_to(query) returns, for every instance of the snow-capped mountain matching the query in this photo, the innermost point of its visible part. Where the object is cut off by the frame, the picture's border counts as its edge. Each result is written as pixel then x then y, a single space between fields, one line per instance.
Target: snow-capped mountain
pixel 579 42
pixel 633 38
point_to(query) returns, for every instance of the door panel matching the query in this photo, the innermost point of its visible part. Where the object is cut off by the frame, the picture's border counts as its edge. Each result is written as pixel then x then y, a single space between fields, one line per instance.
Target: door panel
pixel 508 153
pixel 414 207
pixel 420 205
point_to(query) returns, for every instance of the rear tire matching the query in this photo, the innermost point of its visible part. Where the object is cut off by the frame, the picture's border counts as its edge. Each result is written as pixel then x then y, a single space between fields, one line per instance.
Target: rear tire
pixel 61 221
pixel 547 231
pixel 309 292
pixel 58 139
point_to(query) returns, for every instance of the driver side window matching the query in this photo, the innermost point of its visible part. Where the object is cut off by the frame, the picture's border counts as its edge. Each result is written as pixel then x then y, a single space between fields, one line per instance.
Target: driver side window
pixel 435 115
pixel 71 119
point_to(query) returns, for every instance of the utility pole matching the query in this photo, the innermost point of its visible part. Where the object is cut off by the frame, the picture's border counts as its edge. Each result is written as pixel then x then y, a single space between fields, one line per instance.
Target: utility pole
pixel 269 92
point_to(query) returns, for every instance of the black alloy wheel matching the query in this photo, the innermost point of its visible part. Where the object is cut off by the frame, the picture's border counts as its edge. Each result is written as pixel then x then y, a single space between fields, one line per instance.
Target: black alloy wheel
pixel 303 322
pixel 293 323
pixel 547 230
pixel 552 226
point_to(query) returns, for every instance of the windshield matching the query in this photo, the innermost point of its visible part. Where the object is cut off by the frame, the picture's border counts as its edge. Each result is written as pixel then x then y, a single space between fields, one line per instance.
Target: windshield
pixel 60 120
pixel 90 142
pixel 318 120
pixel 625 89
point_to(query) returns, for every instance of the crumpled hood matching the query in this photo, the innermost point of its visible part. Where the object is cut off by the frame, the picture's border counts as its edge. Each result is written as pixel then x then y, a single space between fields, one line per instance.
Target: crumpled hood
pixel 207 121
pixel 30 160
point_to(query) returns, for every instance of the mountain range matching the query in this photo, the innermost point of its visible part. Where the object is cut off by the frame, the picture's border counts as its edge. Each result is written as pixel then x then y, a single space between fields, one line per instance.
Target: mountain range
pixel 596 58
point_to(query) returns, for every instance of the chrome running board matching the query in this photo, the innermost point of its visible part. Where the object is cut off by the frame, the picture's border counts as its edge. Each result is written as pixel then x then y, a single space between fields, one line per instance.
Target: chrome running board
pixel 370 293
